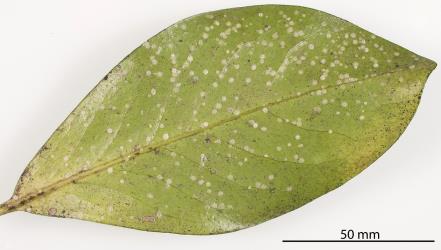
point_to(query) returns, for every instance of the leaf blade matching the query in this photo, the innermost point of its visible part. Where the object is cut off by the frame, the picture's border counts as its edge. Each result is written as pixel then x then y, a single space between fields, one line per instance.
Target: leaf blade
pixel 112 114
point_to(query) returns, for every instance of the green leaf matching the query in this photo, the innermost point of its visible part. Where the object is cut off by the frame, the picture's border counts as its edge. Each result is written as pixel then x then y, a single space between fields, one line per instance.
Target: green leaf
pixel 225 120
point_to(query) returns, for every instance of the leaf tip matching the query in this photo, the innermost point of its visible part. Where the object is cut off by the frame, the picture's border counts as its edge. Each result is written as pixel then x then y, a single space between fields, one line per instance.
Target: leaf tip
pixel 429 66
pixel 432 65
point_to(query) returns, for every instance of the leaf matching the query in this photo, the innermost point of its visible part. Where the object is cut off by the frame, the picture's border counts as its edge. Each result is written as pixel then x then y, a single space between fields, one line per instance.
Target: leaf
pixel 225 120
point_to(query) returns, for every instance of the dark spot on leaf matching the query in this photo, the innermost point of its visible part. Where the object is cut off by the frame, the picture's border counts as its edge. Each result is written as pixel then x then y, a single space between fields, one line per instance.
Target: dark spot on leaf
pixel 149 218
pixel 52 211
pixel 137 149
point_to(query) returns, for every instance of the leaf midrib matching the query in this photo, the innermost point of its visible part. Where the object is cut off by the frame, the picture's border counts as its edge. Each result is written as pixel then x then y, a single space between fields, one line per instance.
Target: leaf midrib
pixel 18 202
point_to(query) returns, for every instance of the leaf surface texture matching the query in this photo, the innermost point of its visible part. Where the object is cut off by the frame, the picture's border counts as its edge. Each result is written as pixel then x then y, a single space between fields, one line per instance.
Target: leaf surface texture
pixel 225 120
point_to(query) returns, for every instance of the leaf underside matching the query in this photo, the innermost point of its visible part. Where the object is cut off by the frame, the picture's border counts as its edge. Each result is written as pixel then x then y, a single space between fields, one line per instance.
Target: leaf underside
pixel 225 120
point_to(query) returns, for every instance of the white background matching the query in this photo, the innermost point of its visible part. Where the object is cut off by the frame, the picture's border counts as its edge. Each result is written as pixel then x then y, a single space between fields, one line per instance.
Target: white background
pixel 52 53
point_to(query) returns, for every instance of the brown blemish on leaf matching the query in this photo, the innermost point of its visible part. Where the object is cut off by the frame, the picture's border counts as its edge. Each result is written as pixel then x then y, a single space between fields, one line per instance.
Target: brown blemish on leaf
pixel 149 218
pixel 52 211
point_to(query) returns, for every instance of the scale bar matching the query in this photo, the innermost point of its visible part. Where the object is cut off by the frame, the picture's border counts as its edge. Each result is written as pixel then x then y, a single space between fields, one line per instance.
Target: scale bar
pixel 378 241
